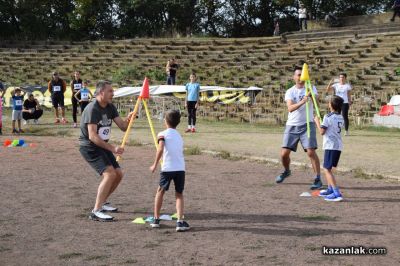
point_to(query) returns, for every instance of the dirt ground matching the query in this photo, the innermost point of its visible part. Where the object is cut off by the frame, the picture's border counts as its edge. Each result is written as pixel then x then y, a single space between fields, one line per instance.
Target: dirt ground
pixel 238 215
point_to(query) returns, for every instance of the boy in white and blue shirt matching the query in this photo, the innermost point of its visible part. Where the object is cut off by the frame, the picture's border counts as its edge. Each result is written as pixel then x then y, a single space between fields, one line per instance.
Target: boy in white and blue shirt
pixel 17 100
pixel 331 128
pixel 170 148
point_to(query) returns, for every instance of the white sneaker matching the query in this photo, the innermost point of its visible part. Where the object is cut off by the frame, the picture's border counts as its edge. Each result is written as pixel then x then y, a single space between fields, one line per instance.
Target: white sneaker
pixel 74 126
pixel 346 133
pixel 36 121
pixel 100 216
pixel 25 122
pixel 108 208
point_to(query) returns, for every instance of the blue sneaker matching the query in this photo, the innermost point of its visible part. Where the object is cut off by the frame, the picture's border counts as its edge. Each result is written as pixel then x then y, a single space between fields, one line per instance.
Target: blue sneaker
pixel 282 176
pixel 326 192
pixel 317 184
pixel 333 197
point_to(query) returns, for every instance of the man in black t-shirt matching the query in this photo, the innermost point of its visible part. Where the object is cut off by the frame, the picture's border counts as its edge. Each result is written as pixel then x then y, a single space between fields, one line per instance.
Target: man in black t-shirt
pixel 172 68
pixel 31 109
pixel 95 128
pixel 57 87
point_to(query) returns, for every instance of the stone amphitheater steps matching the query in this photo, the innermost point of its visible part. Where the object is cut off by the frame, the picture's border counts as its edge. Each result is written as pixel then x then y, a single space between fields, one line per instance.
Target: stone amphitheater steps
pixel 369 60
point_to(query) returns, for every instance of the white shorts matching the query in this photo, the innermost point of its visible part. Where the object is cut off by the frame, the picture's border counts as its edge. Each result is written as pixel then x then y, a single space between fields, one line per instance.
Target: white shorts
pixel 16 115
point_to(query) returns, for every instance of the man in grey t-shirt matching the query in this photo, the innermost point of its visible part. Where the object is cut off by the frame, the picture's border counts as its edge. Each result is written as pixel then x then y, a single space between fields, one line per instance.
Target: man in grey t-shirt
pixel 95 127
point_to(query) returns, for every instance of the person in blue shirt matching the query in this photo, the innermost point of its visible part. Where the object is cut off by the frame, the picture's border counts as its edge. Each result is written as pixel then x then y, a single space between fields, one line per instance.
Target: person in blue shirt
pixel 17 100
pixel 192 102
pixel 83 96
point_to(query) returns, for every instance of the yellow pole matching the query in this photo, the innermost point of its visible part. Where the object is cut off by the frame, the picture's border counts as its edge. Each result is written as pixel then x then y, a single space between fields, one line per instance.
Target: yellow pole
pixel 307 114
pixel 314 99
pixel 150 123
pixel 133 117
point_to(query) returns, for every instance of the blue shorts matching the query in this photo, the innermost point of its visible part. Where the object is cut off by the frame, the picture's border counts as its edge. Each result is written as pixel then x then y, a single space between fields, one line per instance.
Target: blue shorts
pixel 294 134
pixel 331 158
pixel 177 176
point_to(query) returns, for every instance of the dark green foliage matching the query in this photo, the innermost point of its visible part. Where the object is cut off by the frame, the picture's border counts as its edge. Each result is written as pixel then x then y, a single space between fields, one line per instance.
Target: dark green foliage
pixel 115 19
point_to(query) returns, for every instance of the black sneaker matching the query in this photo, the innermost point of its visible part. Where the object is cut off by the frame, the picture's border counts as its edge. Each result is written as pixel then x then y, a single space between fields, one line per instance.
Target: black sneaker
pixel 15 131
pixel 182 226
pixel 100 216
pixel 155 223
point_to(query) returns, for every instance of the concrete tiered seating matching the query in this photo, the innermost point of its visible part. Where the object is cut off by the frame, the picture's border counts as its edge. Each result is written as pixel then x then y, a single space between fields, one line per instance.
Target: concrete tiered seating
pixel 369 60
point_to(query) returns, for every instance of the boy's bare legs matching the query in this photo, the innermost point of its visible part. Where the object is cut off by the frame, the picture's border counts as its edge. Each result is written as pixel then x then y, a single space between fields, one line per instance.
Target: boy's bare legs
pixel 179 205
pixel 158 202
pixel 330 178
pixel 19 124
pixel 13 125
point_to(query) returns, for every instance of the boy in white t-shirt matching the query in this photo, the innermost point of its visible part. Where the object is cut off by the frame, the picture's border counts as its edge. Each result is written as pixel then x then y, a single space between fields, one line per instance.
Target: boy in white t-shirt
pixel 331 128
pixel 343 90
pixel 170 147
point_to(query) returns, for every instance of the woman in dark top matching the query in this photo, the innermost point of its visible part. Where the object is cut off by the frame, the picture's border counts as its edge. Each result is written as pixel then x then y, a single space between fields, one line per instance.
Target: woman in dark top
pixel 31 109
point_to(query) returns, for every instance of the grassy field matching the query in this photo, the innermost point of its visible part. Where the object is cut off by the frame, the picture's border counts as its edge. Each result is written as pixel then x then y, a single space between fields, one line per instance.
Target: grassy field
pixel 368 152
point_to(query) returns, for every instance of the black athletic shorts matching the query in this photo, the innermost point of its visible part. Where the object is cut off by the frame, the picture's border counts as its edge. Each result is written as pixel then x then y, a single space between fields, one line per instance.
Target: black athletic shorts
pixel 177 176
pixel 57 100
pixel 98 158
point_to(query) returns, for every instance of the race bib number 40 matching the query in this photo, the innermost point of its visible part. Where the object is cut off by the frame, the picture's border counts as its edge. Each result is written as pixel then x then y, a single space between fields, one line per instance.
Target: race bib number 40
pixel 56 88
pixel 77 86
pixel 18 102
pixel 105 133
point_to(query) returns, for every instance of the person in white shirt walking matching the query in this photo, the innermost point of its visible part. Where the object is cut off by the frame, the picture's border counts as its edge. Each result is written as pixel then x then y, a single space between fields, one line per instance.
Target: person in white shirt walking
pixel 343 90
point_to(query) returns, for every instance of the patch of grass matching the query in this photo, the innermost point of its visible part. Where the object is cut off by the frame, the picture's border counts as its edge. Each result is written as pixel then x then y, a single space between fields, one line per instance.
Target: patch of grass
pixel 96 257
pixel 151 245
pixel 254 247
pixel 112 245
pixel 308 233
pixel 311 248
pixel 381 129
pixel 3 249
pixel 134 142
pixel 130 261
pixel 192 151
pixel 318 218
pixel 359 173
pixel 81 215
pixel 269 185
pixel 140 210
pixel 6 235
pixel 224 155
pixel 53 132
pixel 68 256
